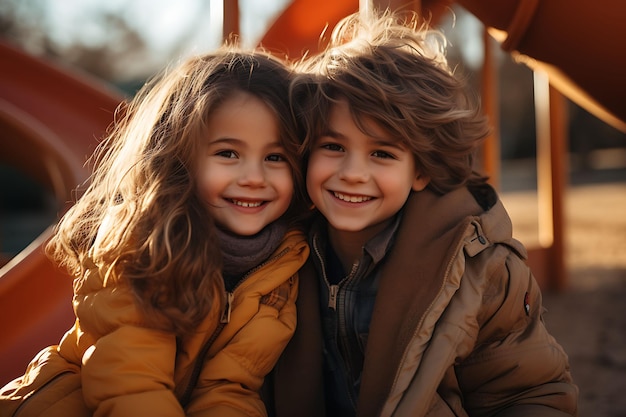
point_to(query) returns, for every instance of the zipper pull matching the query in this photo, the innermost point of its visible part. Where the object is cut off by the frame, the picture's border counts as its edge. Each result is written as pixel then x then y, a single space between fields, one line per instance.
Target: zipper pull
pixel 227 308
pixel 332 296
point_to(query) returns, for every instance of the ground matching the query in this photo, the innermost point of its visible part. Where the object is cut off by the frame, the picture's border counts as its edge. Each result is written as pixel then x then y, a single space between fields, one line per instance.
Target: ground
pixel 588 318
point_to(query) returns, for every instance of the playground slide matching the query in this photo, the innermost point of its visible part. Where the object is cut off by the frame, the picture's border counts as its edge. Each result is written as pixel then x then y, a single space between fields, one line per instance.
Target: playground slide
pixel 576 42
pixel 51 119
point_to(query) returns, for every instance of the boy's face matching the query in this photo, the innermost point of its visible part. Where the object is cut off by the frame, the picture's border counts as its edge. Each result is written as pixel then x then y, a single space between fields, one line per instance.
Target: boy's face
pixel 358 182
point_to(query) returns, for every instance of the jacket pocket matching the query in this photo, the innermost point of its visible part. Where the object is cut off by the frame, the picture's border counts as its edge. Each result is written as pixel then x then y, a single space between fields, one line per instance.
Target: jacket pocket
pixel 50 386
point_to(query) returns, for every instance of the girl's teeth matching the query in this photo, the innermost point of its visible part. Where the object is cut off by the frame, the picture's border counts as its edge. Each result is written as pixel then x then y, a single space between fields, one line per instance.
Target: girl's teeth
pixel 246 203
pixel 353 198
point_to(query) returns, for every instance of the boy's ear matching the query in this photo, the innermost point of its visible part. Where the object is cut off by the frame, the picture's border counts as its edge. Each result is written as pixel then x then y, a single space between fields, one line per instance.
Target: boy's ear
pixel 420 182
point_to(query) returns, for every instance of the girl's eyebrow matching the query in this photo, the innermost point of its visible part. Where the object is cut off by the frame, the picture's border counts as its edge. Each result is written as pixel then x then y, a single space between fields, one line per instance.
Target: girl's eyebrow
pixel 225 140
pixel 234 141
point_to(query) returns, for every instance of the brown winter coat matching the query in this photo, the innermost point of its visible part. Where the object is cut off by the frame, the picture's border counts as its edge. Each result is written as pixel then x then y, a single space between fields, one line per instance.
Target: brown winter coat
pixel 457 326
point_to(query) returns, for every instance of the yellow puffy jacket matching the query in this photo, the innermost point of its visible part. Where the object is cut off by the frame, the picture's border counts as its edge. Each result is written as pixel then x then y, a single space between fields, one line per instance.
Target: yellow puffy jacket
pixel 110 364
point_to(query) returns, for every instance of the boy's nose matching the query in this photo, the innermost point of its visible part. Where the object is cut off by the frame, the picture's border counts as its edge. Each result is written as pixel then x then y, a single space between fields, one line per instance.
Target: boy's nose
pixel 354 169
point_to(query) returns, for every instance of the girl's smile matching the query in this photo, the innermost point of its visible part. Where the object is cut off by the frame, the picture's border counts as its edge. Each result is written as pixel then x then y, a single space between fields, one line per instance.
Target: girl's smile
pixel 246 204
pixel 243 174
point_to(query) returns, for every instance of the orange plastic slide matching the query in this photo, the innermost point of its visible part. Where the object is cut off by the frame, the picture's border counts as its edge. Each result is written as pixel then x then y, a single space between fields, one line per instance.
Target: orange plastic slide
pixel 51 119
pixel 576 42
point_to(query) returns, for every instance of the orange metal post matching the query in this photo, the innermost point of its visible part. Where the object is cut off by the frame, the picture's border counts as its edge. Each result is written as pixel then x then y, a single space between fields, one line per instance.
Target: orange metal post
pixel 398 5
pixel 230 23
pixel 550 124
pixel 558 157
pixel 489 82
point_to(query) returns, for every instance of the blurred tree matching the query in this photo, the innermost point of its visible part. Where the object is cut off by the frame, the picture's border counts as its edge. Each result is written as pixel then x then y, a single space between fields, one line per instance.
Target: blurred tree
pixel 25 24
pixel 22 21
pixel 121 52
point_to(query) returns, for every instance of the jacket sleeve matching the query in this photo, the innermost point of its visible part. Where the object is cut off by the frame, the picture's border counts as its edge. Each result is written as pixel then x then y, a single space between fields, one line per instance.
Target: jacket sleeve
pixel 517 368
pixel 127 366
pixel 230 381
pixel 129 372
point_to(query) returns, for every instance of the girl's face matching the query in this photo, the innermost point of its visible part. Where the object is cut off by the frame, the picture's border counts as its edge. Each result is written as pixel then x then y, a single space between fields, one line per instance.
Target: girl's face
pixel 244 176
pixel 359 182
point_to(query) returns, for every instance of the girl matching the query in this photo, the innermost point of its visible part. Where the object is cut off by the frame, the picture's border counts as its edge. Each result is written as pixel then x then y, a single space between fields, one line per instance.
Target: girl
pixel 185 261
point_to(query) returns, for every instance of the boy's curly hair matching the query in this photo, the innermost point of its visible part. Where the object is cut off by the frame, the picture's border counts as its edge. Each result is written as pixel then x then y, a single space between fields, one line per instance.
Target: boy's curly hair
pixel 392 70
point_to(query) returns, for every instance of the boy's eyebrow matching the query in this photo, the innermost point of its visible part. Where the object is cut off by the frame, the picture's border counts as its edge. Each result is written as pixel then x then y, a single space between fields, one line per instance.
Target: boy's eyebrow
pixel 331 133
pixel 391 143
pixel 378 141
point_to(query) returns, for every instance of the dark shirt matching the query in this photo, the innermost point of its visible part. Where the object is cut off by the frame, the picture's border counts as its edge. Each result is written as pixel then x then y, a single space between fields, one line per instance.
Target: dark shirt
pixel 346 305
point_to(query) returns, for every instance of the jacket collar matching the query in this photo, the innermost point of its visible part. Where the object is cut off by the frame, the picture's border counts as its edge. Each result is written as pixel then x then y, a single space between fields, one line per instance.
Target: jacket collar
pixel 430 235
pixel 377 247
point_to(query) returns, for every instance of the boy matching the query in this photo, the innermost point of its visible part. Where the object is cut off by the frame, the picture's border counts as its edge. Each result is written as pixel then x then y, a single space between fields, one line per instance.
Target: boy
pixel 417 300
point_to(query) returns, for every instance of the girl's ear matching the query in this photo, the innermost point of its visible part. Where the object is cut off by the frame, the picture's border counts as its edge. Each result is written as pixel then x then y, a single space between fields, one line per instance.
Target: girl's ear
pixel 420 182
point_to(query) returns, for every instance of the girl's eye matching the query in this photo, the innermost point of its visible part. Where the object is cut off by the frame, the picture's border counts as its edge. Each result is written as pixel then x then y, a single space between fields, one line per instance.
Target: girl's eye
pixel 226 154
pixel 382 155
pixel 275 157
pixel 332 147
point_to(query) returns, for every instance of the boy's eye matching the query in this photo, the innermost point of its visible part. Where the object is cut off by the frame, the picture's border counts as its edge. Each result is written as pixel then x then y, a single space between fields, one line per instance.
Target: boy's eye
pixel 382 154
pixel 226 154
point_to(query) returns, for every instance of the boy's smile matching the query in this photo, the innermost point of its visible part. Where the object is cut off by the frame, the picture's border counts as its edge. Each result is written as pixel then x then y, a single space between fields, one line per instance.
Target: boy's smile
pixel 352 198
pixel 359 181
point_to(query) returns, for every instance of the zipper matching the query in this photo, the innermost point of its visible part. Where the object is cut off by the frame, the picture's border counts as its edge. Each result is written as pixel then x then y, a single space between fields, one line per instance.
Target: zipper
pixel 342 341
pixel 333 299
pixel 333 290
pixel 225 317
pixel 229 296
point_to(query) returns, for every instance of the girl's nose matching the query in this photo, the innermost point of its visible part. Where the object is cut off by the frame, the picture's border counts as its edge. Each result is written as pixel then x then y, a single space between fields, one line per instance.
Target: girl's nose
pixel 252 175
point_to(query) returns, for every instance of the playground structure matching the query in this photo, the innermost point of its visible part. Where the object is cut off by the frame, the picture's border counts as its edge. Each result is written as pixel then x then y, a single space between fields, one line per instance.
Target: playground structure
pixel 51 118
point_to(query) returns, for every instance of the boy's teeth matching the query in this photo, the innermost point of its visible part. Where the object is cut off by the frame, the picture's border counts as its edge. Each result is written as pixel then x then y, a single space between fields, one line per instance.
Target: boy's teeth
pixel 246 203
pixel 352 198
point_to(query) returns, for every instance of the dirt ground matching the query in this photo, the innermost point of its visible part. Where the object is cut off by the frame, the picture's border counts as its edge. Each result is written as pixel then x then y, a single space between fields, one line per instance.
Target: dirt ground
pixel 589 317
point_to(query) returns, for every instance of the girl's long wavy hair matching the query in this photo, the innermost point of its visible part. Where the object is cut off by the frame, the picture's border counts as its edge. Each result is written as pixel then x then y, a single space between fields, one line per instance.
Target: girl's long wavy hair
pixel 140 218
pixel 392 70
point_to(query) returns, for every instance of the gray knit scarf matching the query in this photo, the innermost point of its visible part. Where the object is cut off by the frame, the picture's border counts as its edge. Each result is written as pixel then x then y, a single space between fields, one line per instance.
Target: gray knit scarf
pixel 242 253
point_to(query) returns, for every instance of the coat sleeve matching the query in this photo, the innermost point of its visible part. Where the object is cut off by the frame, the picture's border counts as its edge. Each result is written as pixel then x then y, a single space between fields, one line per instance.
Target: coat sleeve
pixel 517 368
pixel 127 366
pixel 230 381
pixel 129 372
